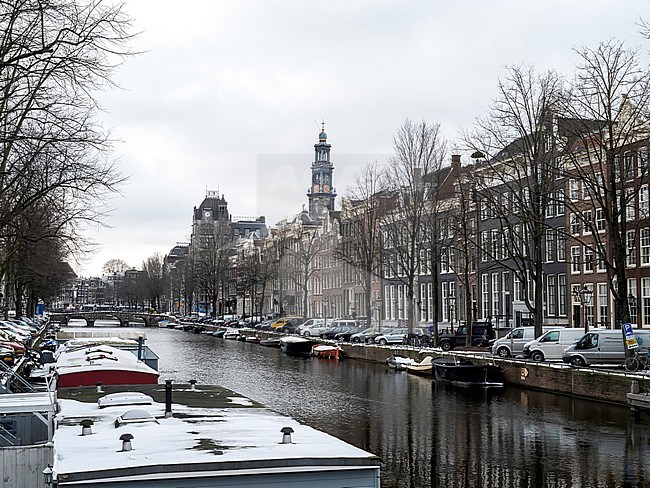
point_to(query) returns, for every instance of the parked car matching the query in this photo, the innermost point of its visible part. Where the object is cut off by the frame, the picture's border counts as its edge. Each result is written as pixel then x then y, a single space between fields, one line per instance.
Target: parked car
pixel 602 347
pixel 482 333
pixel 512 344
pixel 550 346
pixel 393 336
pixel 331 333
pixel 308 324
pixel 291 325
pixel 264 325
pixel 367 335
pixel 345 336
pixel 6 355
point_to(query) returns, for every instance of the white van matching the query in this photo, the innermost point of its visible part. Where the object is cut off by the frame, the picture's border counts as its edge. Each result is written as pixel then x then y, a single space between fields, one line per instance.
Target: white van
pixel 602 347
pixel 512 344
pixel 312 327
pixel 551 345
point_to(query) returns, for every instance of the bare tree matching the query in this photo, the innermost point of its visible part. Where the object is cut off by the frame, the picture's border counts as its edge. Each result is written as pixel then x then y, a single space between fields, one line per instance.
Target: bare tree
pixel 113 266
pixel 419 149
pixel 360 244
pixel 154 276
pixel 517 178
pixel 608 155
pixel 53 56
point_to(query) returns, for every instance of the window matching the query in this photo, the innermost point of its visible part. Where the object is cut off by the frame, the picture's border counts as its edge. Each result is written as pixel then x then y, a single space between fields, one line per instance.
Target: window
pixel 550 206
pixel 495 295
pixel 575 224
pixel 589 259
pixel 444 262
pixel 484 246
pixel 587 222
pixel 645 246
pixel 632 296
pixel 602 304
pixel 586 191
pixel 600 220
pixel 561 280
pixel 551 295
pixel 559 202
pixel 573 190
pixel 452 259
pixel 644 202
pixel 630 204
pixel 575 259
pixel 485 292
pixel 630 259
pixel 549 251
pixel 494 244
pixel 642 161
pixel 517 287
pixel 645 300
pixel 602 257
pixel 561 245
pixel 628 168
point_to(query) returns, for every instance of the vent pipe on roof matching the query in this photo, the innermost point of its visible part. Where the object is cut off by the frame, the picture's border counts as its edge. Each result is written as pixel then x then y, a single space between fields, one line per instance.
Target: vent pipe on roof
pixel 126 442
pixel 168 398
pixel 192 384
pixel 286 435
pixel 87 427
pixel 98 384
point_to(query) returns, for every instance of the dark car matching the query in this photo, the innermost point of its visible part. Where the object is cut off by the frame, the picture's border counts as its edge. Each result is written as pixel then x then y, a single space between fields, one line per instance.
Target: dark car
pixel 331 333
pixel 292 324
pixel 345 336
pixel 482 334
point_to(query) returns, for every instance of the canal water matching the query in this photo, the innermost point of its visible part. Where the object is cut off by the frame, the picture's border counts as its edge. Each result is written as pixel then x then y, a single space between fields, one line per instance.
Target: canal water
pixel 426 435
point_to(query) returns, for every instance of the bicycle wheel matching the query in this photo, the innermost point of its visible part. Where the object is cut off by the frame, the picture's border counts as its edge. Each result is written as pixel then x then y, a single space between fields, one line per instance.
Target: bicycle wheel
pixel 632 364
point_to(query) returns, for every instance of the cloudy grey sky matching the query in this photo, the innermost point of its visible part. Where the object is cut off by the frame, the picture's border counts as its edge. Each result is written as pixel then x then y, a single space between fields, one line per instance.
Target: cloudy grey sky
pixel 228 94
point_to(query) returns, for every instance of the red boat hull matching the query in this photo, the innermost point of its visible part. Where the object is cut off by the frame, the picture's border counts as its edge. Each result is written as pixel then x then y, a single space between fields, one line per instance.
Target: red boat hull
pixel 90 378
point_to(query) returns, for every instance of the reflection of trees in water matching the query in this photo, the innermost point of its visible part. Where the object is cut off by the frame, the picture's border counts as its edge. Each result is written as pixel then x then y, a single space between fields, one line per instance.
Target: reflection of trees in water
pixel 427 435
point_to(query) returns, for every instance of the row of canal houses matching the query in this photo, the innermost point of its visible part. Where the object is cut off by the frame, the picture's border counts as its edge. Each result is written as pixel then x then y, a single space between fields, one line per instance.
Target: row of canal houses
pixel 530 228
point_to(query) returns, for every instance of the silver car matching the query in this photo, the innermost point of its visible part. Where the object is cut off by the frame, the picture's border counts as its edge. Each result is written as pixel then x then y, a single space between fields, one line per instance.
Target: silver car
pixel 395 336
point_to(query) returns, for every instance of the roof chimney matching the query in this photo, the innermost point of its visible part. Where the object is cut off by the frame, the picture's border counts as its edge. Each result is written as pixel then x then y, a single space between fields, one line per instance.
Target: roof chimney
pixel 455 164
pixel 168 398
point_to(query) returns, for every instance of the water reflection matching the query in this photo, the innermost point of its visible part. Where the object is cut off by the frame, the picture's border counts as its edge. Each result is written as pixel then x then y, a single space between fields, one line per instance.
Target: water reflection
pixel 426 435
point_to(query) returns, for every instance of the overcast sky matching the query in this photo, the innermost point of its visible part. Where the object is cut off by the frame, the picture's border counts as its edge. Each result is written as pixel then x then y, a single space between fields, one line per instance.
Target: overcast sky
pixel 229 95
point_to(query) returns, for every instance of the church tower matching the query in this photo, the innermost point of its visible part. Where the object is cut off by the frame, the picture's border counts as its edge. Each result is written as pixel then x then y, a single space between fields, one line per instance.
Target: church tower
pixel 321 194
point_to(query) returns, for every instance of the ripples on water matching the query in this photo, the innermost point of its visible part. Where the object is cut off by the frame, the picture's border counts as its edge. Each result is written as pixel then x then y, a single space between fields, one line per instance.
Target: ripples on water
pixel 426 435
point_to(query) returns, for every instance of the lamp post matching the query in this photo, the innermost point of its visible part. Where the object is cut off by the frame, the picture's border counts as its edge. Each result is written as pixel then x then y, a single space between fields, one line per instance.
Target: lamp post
pixel 583 296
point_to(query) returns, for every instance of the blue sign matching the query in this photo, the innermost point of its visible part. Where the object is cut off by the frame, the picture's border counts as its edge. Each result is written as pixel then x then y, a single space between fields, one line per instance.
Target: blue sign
pixel 630 340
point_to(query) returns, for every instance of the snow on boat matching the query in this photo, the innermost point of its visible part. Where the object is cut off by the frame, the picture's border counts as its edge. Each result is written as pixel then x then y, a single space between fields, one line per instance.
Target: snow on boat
pixel 270 342
pixel 423 368
pixel 326 351
pixel 296 346
pixel 231 334
pixel 253 339
pixel 399 363
pixel 86 366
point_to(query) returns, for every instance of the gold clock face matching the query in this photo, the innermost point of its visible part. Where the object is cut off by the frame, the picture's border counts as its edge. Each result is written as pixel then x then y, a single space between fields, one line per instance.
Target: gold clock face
pixel 315 189
pixel 326 188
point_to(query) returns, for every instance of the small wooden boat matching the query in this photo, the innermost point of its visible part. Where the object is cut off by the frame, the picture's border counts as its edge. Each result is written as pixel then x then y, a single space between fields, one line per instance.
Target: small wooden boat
pixel 423 368
pixel 231 334
pixel 399 363
pixel 296 346
pixel 270 342
pixel 219 333
pixel 253 339
pixel 463 372
pixel 326 351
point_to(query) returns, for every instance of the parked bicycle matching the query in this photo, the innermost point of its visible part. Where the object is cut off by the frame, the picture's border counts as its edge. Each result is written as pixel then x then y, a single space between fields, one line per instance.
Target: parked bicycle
pixel 640 360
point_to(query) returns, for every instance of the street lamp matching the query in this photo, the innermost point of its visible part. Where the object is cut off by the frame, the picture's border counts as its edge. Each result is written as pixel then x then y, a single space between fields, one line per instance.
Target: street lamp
pixel 583 296
pixel 451 310
pixel 48 475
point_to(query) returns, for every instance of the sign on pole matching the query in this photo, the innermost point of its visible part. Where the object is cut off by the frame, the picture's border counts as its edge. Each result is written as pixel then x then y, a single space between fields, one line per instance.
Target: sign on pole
pixel 630 340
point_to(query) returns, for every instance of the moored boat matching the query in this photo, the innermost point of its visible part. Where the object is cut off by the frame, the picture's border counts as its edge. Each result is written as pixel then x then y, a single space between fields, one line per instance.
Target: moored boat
pixel 270 342
pixel 219 333
pixel 326 351
pixel 423 368
pixel 463 372
pixel 296 346
pixel 399 363
pixel 253 339
pixel 103 364
pixel 231 334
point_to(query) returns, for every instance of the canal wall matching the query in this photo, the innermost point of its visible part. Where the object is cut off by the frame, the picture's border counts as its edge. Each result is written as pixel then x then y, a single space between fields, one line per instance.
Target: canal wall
pixel 590 383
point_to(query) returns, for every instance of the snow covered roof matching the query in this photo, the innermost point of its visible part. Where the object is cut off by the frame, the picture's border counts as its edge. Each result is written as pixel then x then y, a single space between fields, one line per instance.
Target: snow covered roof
pixel 210 430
